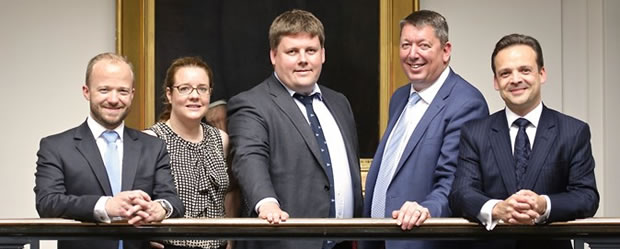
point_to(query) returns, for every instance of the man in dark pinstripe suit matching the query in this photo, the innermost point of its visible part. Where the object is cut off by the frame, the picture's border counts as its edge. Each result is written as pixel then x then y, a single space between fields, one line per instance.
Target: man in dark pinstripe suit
pixel 526 164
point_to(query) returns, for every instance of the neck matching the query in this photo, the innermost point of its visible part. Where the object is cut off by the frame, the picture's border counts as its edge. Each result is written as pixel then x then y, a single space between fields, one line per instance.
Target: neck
pixel 190 130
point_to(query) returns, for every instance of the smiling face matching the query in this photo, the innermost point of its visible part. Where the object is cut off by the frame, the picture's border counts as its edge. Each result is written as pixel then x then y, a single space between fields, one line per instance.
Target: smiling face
pixel 422 56
pixel 109 92
pixel 194 105
pixel 518 78
pixel 298 60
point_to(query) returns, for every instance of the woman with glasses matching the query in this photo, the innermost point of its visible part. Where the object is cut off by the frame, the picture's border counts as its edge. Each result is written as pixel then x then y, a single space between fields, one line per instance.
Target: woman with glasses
pixel 197 150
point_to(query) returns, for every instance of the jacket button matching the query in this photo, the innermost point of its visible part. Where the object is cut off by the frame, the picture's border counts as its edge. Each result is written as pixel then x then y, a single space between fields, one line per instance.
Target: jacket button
pixel 326 187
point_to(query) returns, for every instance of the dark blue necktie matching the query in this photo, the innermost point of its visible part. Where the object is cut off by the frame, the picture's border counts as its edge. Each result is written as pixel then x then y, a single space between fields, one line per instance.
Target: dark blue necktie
pixel 320 140
pixel 522 150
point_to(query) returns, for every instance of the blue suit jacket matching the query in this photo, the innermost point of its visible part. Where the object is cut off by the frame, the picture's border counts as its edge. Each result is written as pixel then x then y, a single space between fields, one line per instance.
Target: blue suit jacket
pixel 561 166
pixel 426 169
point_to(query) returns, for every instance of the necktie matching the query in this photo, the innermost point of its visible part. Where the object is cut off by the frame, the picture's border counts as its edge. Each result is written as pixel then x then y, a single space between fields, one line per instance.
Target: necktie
pixel 522 150
pixel 320 140
pixel 113 165
pixel 390 160
pixel 112 162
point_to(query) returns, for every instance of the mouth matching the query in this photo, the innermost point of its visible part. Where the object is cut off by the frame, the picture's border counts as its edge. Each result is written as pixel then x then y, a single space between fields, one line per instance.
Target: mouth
pixel 303 71
pixel 415 66
pixel 193 106
pixel 518 90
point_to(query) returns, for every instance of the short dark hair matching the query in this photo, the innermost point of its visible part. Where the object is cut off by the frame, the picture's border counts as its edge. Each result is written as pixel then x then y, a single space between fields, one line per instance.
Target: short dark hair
pixel 293 22
pixel 518 39
pixel 428 17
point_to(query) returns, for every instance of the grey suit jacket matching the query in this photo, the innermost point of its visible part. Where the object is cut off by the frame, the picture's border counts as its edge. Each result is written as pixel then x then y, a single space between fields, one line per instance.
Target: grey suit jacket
pixel 71 177
pixel 276 155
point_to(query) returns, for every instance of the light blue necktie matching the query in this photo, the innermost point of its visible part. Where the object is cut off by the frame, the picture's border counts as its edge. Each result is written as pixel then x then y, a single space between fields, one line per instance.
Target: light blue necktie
pixel 113 165
pixel 389 161
pixel 112 162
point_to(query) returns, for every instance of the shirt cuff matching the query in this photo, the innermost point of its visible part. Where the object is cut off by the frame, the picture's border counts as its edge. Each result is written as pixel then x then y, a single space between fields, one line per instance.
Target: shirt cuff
pixel 263 201
pixel 100 214
pixel 486 214
pixel 543 218
pixel 217 102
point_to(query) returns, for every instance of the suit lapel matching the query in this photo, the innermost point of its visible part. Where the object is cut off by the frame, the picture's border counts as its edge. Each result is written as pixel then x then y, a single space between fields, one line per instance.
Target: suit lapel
pixel 501 147
pixel 338 113
pixel 131 155
pixel 286 103
pixel 435 107
pixel 85 143
pixel 545 136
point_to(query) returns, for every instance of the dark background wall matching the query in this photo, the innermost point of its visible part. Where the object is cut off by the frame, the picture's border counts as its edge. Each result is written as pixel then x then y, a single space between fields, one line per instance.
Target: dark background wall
pixel 231 36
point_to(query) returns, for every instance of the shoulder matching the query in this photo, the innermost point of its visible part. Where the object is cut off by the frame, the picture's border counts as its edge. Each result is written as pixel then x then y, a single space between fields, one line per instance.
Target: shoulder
pixel 67 135
pixel 258 91
pixel 142 136
pixel 482 125
pixel 566 122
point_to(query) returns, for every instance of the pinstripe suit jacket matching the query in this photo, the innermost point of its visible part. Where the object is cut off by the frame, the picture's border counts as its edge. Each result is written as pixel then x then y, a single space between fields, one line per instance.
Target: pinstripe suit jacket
pixel 561 166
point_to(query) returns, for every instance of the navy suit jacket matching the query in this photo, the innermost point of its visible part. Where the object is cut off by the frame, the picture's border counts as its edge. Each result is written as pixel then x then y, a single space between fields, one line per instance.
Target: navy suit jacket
pixel 71 177
pixel 560 166
pixel 426 168
pixel 275 154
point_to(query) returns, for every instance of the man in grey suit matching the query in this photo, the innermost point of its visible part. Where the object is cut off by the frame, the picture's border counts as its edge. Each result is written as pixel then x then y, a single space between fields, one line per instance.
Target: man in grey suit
pixel 526 164
pixel 294 143
pixel 102 171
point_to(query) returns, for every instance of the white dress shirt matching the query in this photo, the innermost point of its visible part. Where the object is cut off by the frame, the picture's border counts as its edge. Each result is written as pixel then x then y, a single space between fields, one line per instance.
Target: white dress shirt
pixel 486 212
pixel 343 187
pixel 97 130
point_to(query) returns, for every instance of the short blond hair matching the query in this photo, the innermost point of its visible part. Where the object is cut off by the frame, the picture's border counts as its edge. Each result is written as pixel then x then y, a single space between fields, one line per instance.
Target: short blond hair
pixel 112 57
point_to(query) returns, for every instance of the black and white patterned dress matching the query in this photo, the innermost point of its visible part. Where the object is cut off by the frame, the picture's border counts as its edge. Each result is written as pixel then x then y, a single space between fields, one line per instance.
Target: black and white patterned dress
pixel 200 175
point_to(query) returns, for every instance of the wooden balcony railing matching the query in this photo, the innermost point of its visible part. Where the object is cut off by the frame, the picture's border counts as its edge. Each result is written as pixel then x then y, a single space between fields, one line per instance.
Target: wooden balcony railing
pixel 596 231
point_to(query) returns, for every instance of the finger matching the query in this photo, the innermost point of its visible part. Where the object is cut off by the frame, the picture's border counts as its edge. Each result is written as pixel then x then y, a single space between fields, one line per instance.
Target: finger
pixel 276 218
pixel 423 217
pixel 156 245
pixel 284 216
pixel 270 217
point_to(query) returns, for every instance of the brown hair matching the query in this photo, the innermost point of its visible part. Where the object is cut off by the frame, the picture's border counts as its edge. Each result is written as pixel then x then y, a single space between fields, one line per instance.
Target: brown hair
pixel 294 22
pixel 428 17
pixel 518 39
pixel 169 80
pixel 112 57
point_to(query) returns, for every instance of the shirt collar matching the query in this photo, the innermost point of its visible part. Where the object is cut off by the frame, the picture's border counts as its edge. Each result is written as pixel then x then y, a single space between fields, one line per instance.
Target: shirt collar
pixel 291 92
pixel 427 95
pixel 97 129
pixel 533 116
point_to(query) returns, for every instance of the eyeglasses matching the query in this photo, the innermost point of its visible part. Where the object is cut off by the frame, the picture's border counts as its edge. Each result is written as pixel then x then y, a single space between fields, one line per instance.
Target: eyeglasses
pixel 186 89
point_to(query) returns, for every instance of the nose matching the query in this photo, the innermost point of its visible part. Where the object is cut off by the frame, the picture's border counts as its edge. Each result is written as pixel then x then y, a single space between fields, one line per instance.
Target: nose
pixel 113 97
pixel 412 52
pixel 303 59
pixel 515 78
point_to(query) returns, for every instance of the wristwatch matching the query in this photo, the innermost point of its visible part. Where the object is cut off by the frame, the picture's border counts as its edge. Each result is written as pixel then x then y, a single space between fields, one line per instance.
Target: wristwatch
pixel 166 205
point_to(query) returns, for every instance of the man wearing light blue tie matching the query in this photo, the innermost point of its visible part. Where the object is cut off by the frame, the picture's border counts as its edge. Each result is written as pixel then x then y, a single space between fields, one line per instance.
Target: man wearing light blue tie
pixel 413 168
pixel 102 171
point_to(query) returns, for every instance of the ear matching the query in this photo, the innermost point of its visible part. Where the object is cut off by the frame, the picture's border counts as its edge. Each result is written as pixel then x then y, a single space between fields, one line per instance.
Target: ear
pixel 447 50
pixel 323 55
pixel 543 75
pixel 168 95
pixel 495 83
pixel 86 92
pixel 272 56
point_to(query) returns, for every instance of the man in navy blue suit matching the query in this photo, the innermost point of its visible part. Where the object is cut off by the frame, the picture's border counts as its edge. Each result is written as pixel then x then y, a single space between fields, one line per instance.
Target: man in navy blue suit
pixel 526 164
pixel 413 168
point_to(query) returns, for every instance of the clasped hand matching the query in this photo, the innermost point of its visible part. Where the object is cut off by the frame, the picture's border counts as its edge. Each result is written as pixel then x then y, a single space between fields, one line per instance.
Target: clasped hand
pixel 523 207
pixel 136 207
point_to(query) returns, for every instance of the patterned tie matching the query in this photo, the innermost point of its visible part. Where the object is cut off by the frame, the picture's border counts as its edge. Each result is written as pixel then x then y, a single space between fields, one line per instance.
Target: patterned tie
pixel 320 140
pixel 522 150
pixel 390 160
pixel 112 165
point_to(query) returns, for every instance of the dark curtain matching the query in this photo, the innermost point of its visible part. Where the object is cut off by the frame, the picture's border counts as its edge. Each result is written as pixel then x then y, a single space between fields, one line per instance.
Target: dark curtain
pixel 231 36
